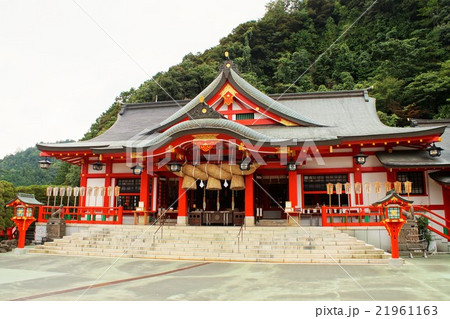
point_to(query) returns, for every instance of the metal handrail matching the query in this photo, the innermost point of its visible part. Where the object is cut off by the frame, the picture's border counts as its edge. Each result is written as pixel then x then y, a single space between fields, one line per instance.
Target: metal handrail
pixel 161 224
pixel 240 235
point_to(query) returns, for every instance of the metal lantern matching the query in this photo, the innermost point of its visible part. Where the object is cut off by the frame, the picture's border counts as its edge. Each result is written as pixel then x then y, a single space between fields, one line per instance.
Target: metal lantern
pixel 433 150
pixel 245 164
pixel 137 169
pixel 292 166
pixel 393 212
pixel 97 166
pixel 175 166
pixel 360 158
pixel 45 163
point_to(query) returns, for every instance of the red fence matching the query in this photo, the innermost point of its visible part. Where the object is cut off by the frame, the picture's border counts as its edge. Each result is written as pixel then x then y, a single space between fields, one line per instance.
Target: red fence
pixel 352 216
pixel 84 215
pixel 437 219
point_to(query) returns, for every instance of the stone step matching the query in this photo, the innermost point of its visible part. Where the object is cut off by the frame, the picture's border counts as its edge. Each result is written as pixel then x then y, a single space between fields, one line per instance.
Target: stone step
pixel 260 244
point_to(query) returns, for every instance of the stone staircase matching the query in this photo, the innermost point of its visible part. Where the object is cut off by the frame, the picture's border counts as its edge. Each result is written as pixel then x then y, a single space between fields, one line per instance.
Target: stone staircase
pixel 202 243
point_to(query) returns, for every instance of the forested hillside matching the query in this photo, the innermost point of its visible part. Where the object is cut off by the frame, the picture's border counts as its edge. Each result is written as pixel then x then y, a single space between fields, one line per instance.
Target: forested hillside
pixel 401 47
pixel 22 169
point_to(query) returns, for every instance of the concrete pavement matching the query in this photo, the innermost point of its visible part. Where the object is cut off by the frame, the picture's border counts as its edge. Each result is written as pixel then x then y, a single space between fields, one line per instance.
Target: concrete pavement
pixel 47 277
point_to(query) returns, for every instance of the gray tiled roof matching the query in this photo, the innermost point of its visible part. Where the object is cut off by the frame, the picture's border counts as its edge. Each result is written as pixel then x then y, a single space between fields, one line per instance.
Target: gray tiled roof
pixel 28 199
pixel 206 125
pixel 419 158
pixel 348 115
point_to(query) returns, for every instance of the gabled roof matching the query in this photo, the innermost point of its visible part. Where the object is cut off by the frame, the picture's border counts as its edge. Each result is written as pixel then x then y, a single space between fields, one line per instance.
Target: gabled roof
pixel 442 177
pixel 420 158
pixel 229 74
pixel 327 118
pixel 207 125
pixel 27 199
pixel 390 195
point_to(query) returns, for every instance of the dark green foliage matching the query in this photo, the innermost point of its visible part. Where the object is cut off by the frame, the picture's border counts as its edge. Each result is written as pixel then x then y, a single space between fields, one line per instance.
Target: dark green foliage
pixel 400 47
pixel 422 224
pixel 22 169
pixel 39 191
pixel 7 193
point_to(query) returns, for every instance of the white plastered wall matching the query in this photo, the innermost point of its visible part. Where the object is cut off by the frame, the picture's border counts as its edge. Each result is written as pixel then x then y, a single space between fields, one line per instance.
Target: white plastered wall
pixel 369 198
pixel 329 162
pixel 299 191
pixel 120 168
pixel 94 200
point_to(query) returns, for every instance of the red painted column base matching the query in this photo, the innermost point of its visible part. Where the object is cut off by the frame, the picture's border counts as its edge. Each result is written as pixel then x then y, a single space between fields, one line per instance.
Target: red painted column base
pixel 393 227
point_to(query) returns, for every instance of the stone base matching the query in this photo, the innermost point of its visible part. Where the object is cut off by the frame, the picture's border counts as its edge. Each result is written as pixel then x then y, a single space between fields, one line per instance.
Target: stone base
pixel 395 262
pixel 20 251
pixel 40 232
pixel 182 220
pixel 249 221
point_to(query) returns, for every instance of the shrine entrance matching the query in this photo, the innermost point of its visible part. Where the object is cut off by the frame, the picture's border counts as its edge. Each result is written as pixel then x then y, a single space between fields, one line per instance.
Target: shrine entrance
pixel 224 207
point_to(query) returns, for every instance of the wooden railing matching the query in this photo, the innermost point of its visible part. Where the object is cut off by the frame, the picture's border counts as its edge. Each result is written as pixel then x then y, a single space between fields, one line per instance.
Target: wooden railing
pixel 84 215
pixel 352 216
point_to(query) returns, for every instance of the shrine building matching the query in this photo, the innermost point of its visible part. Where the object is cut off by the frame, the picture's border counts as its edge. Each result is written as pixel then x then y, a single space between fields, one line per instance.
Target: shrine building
pixel 233 154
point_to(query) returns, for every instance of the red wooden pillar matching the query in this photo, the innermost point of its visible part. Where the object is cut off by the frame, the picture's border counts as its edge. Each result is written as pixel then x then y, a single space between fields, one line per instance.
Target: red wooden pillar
pixel 155 193
pixel 249 201
pixel 144 193
pixel 108 172
pixel 83 182
pixel 182 204
pixel 293 188
pixel 358 179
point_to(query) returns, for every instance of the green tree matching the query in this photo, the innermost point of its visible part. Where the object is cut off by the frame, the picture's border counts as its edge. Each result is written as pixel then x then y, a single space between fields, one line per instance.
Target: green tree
pixel 7 193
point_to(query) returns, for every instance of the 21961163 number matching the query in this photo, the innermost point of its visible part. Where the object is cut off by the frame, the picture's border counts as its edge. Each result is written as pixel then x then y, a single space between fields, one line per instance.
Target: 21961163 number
pixel 407 310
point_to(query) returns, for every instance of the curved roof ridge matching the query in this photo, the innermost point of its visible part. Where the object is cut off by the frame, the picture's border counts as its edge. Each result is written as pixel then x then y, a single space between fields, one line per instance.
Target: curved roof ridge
pixel 194 102
pixel 215 124
pixel 272 104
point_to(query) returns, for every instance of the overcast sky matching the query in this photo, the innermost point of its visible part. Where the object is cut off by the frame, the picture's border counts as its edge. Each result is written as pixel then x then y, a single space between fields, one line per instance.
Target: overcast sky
pixel 60 71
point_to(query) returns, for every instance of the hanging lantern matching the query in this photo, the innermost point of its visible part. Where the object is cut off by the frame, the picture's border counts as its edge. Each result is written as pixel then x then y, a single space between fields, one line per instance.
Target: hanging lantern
pixel 137 169
pixel 49 191
pixel 360 158
pixel 82 191
pixel 175 167
pixel 292 166
pixel 97 166
pixel 45 163
pixel 69 191
pixel 117 191
pixel 433 150
pixel 110 191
